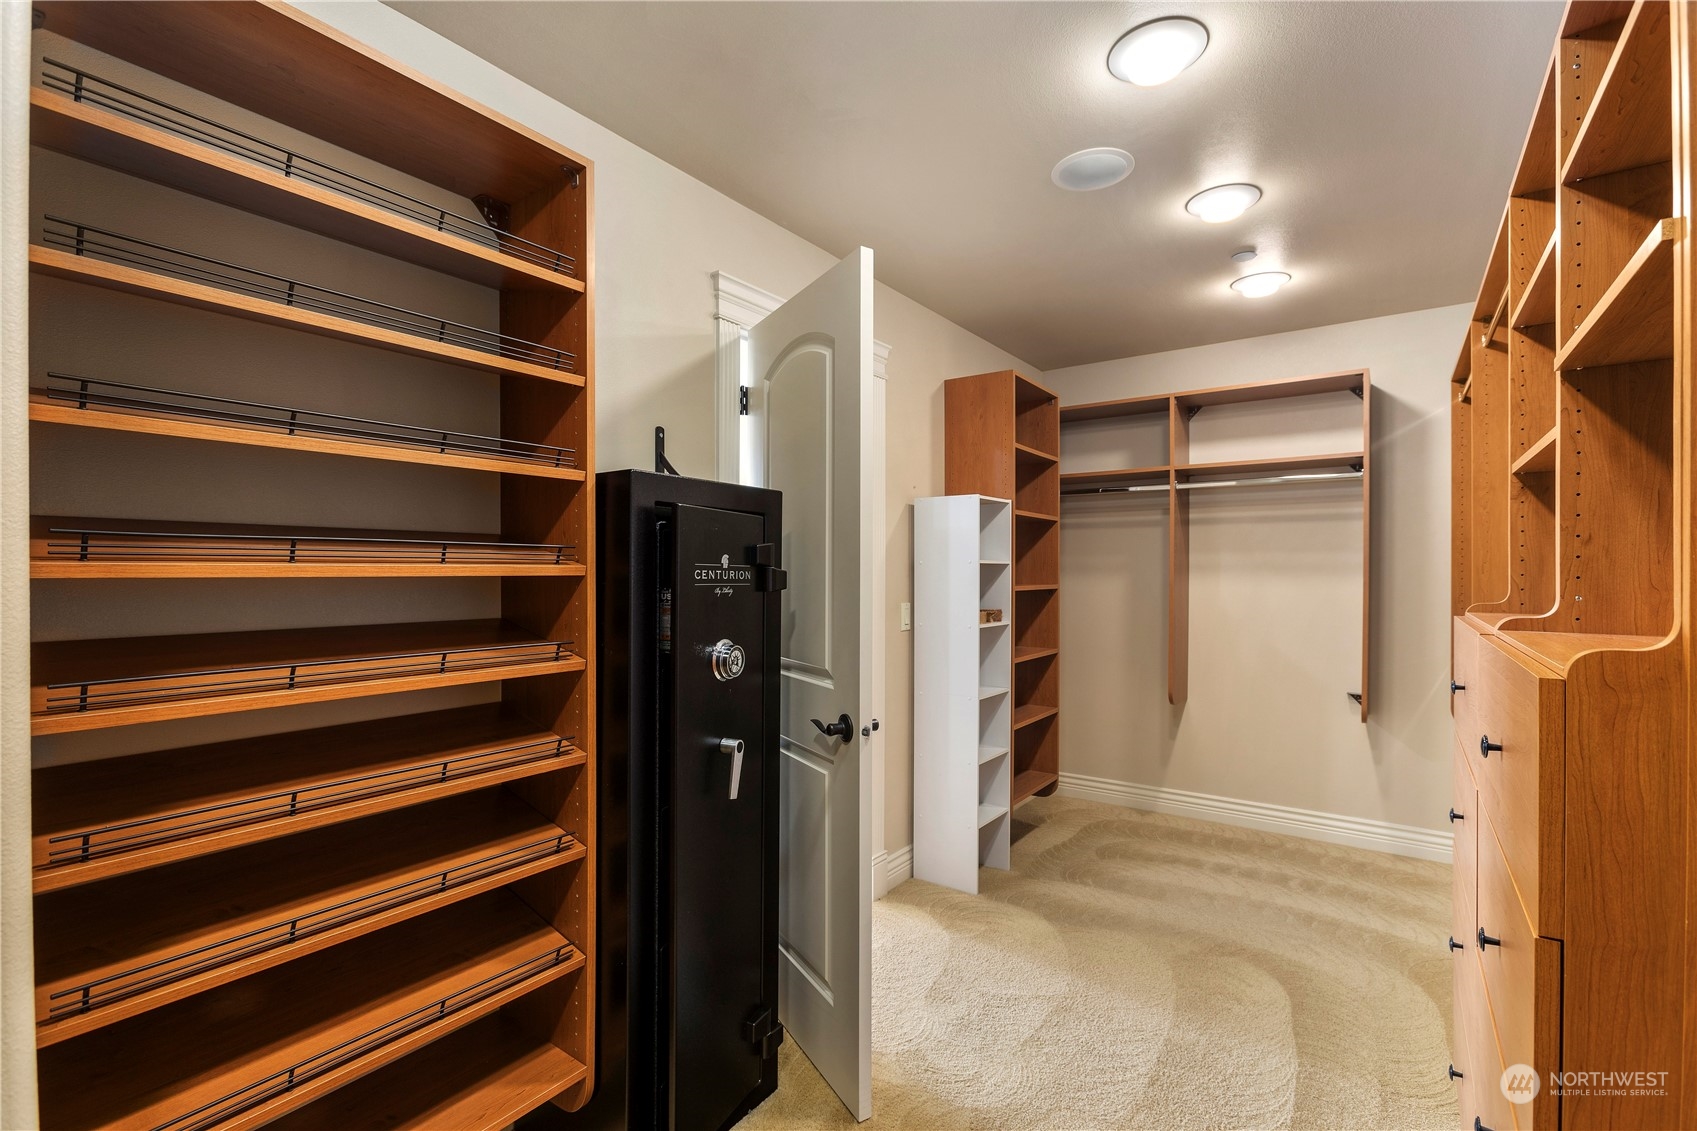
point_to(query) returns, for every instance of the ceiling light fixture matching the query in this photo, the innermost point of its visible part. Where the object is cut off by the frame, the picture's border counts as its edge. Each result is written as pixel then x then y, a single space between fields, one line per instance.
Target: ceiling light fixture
pixel 1153 53
pixel 1222 202
pixel 1260 285
pixel 1090 169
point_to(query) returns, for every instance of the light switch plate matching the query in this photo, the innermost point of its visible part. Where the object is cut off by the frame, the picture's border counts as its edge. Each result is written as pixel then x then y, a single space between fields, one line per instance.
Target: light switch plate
pixel 907 616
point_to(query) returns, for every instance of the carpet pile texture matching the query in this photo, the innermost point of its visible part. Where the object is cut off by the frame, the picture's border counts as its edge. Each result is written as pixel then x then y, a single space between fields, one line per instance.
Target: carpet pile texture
pixel 1138 970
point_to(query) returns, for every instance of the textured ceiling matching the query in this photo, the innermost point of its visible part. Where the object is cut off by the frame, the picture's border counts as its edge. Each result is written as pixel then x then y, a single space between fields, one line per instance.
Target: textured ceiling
pixel 1382 134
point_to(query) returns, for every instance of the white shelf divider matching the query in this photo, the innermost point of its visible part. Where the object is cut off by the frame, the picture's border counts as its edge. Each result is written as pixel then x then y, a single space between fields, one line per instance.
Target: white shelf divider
pixel 962 771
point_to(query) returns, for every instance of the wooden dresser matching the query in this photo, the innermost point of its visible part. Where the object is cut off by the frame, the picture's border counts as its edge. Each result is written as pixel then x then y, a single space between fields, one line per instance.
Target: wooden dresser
pixel 1571 688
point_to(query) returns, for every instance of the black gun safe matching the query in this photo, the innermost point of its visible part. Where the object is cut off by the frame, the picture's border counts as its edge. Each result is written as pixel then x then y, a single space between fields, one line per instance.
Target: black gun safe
pixel 687 1029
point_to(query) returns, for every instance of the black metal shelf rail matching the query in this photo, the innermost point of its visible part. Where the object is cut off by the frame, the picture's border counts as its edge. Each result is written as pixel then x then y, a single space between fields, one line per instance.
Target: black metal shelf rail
pixel 83 544
pixel 274 1085
pixel 128 836
pixel 150 400
pixel 73 697
pixel 83 87
pixel 115 247
pixel 126 984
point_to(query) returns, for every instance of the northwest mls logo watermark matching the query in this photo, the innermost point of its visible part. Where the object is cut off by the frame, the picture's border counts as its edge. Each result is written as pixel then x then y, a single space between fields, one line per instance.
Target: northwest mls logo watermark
pixel 1520 1083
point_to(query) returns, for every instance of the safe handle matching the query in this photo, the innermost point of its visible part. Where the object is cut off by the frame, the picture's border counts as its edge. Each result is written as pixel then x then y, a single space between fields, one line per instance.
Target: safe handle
pixel 843 728
pixel 733 747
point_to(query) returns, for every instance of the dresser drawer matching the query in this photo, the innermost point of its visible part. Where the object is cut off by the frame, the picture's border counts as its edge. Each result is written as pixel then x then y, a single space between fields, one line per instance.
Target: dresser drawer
pixel 1464 661
pixel 1479 1090
pixel 1517 756
pixel 1522 975
pixel 1464 874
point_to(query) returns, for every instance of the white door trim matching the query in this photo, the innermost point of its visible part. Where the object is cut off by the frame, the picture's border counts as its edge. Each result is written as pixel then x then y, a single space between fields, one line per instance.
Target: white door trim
pixel 737 305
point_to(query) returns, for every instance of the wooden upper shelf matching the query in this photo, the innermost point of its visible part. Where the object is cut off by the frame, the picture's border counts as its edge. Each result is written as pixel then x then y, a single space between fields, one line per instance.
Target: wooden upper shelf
pixel 130 944
pixel 330 1017
pixel 87 684
pixel 1350 381
pixel 72 548
pixel 1629 122
pixel 278 62
pixel 1633 321
pixel 152 284
pixel 90 133
pixel 110 817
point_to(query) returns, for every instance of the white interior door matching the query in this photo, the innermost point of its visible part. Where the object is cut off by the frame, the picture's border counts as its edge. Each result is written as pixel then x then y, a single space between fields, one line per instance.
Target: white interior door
pixel 810 363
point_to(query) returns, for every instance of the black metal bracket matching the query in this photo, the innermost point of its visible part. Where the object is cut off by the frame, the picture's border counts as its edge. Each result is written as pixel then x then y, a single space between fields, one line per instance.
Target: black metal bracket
pixel 1360 392
pixel 574 177
pixel 1190 411
pixel 1355 696
pixel 498 212
pixel 763 1031
pixel 1356 467
pixel 662 465
pixel 768 578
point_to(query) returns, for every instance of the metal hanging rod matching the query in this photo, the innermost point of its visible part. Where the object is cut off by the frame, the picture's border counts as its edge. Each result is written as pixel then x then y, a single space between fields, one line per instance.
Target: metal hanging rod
pixel 84 87
pixel 1259 481
pixel 92 844
pixel 115 247
pixel 86 392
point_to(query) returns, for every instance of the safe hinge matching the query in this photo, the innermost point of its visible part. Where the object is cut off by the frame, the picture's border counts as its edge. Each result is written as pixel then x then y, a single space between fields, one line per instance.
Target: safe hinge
pixel 763 1031
pixel 768 578
pixel 742 400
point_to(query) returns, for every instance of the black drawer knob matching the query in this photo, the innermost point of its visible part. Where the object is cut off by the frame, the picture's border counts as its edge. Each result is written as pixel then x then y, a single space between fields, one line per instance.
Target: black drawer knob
pixel 1486 940
pixel 1455 945
pixel 1477 1126
pixel 1454 816
pixel 1454 1075
pixel 1455 687
pixel 1486 746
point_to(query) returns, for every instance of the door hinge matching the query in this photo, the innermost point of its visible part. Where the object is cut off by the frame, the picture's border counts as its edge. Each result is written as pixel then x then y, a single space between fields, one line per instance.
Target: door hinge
pixel 768 578
pixel 742 400
pixel 763 1031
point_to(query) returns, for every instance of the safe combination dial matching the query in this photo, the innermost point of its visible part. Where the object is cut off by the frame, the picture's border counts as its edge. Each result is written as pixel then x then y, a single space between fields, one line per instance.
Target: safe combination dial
pixel 729 660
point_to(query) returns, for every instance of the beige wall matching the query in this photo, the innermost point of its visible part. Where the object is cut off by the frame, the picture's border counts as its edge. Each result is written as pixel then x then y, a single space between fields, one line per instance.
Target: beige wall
pixel 660 234
pixel 17 982
pixel 1275 583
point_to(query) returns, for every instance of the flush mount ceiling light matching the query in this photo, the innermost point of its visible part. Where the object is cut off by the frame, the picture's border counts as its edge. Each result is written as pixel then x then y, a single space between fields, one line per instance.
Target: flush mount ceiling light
pixel 1092 169
pixel 1222 202
pixel 1153 53
pixel 1260 285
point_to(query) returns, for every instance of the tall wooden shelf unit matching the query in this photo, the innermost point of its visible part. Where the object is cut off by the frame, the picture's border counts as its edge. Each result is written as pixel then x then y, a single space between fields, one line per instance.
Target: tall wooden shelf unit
pixel 380 923
pixel 1177 475
pixel 1572 687
pixel 1002 439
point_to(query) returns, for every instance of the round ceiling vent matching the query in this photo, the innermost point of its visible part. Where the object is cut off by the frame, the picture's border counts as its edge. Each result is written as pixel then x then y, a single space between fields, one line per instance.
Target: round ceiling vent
pixel 1092 169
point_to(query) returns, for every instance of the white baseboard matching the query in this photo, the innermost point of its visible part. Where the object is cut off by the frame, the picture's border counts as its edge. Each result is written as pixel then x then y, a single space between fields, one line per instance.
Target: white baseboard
pixel 891 869
pixel 1357 832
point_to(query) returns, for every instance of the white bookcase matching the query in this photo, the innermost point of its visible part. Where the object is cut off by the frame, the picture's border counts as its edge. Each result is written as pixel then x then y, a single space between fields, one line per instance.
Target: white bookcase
pixel 962 676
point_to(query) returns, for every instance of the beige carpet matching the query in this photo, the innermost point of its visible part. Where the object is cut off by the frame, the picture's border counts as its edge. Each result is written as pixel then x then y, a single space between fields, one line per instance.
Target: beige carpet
pixel 1136 970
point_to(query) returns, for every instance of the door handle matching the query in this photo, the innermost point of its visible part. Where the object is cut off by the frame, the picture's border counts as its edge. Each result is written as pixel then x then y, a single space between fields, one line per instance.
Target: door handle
pixel 843 728
pixel 1454 1075
pixel 1454 816
pixel 733 747
pixel 1486 940
pixel 1455 687
pixel 1486 746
